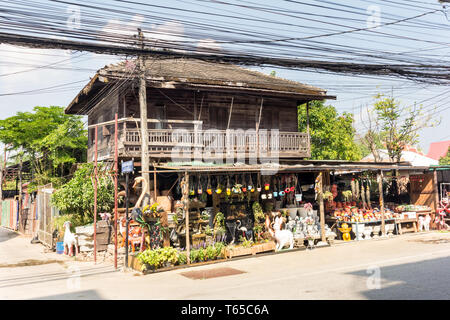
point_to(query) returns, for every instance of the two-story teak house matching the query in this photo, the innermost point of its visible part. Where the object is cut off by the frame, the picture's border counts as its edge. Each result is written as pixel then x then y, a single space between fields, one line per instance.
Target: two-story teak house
pixel 206 111
pixel 202 98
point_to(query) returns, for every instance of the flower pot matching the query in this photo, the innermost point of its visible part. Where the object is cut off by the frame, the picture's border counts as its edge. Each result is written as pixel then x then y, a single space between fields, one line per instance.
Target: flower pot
pixel 292 212
pixel 302 212
pixel 298 197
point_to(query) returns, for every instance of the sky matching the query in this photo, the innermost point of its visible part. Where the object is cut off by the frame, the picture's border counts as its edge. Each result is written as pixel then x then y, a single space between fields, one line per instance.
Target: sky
pixel 27 80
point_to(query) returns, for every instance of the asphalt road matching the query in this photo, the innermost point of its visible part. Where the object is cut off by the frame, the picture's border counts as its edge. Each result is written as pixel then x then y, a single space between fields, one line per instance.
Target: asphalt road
pixel 412 266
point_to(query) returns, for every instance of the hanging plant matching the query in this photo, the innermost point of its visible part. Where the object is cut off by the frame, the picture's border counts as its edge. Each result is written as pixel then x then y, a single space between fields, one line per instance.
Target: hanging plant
pixel 347 194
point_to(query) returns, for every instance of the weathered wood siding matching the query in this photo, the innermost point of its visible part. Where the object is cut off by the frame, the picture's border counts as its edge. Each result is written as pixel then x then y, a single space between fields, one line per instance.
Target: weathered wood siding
pixel 213 108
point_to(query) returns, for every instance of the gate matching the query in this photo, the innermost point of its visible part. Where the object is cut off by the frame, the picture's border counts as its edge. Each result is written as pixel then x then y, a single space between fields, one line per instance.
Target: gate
pixel 45 213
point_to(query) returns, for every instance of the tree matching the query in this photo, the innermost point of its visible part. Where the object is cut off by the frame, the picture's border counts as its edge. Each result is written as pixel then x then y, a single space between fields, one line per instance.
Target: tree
pixel 77 196
pixel 388 127
pixel 445 160
pixel 332 135
pixel 48 137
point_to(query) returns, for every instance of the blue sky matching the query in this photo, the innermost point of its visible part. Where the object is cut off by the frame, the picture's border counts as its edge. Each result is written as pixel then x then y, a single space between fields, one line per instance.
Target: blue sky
pixel 21 68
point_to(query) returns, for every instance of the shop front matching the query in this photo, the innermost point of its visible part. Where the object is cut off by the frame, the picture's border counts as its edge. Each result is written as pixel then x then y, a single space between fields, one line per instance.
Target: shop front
pixel 201 214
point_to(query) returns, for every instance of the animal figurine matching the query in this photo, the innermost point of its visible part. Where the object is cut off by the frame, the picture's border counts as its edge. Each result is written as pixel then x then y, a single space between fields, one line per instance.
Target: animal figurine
pixel 247 233
pixel 105 216
pixel 134 235
pixel 427 221
pixel 421 222
pixel 70 240
pixel 282 237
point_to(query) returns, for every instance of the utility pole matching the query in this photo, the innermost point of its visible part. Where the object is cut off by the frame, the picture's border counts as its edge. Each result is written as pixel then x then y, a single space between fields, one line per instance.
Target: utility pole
pixel 145 160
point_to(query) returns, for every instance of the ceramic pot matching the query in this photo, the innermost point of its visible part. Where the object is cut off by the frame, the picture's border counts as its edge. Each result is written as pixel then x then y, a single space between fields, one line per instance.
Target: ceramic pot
pixel 292 212
pixel 358 230
pixel 302 212
pixel 367 233
pixel 376 231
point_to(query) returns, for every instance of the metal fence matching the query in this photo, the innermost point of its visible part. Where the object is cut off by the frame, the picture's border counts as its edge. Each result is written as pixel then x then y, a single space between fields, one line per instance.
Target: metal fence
pixel 45 214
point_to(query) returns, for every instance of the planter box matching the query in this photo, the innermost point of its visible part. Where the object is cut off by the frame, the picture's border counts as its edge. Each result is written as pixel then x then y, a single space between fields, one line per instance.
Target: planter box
pixel 241 251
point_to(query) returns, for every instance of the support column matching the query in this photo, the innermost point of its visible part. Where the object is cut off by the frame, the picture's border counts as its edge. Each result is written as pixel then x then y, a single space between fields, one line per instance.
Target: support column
pixel 116 172
pixel 321 208
pixel 185 200
pixel 380 190
pixel 95 195
pixel 145 160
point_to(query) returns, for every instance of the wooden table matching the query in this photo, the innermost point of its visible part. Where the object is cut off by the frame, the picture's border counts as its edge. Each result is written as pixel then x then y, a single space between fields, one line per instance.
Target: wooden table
pixel 399 223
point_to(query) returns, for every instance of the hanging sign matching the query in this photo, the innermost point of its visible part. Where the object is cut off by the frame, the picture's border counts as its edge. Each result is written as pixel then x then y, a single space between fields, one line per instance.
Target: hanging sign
pixel 127 166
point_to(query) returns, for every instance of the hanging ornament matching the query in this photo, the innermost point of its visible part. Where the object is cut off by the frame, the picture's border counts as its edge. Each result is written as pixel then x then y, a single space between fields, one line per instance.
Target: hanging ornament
pixel 228 190
pixel 244 184
pixel 218 187
pixel 191 188
pixel 275 188
pixel 258 188
pixel 199 185
pixel 251 187
pixel 208 188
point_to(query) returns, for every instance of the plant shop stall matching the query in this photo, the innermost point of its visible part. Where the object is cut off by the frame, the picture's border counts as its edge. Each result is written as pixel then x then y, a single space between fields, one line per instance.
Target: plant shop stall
pixel 354 200
pixel 224 211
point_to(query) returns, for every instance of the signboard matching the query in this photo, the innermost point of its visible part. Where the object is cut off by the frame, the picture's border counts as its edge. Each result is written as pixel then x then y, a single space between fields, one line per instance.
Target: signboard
pixel 127 166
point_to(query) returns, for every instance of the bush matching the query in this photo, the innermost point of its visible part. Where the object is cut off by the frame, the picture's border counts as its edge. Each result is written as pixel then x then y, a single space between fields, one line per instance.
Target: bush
pixel 77 196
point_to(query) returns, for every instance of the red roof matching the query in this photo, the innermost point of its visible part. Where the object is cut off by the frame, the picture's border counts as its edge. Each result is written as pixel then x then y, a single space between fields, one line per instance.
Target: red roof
pixel 438 149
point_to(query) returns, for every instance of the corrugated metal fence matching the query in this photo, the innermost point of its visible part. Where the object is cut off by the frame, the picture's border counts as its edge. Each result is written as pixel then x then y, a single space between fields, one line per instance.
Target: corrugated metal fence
pixel 9 214
pixel 36 217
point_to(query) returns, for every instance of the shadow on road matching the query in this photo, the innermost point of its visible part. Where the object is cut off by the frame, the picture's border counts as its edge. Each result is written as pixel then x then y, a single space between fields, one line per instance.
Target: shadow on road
pixel 70 273
pixel 6 234
pixel 79 295
pixel 427 279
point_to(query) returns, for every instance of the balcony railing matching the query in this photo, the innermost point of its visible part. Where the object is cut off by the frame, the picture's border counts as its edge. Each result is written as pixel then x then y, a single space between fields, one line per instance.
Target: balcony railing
pixel 194 142
pixel 217 143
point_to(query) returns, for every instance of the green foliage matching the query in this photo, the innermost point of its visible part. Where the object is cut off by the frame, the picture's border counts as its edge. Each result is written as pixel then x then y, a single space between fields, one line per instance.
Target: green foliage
pixel 332 135
pixel 394 127
pixel 257 211
pixel 445 160
pixel 158 258
pixel 49 138
pixel 75 220
pixel 77 196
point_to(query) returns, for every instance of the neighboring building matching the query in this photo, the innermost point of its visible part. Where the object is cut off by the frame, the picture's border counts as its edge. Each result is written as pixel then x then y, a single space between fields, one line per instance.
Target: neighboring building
pixel 438 149
pixel 417 159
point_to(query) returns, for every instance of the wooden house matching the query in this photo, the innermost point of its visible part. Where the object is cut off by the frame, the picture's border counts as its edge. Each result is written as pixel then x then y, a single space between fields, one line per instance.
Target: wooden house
pixel 190 98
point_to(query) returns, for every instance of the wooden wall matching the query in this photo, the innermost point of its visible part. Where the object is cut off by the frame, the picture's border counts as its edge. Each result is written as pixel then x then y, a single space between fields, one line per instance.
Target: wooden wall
pixel 213 108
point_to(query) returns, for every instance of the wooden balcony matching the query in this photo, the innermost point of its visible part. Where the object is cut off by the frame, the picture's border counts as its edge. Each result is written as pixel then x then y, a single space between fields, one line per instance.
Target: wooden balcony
pixel 213 144
pixel 196 144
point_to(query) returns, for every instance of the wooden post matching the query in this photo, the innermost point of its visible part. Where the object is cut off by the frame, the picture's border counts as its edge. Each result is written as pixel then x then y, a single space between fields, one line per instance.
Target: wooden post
pixel 116 216
pixel 95 195
pixel 321 208
pixel 380 190
pixel 145 160
pixel 307 118
pixel 185 197
pixel 435 200
pixel 19 212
